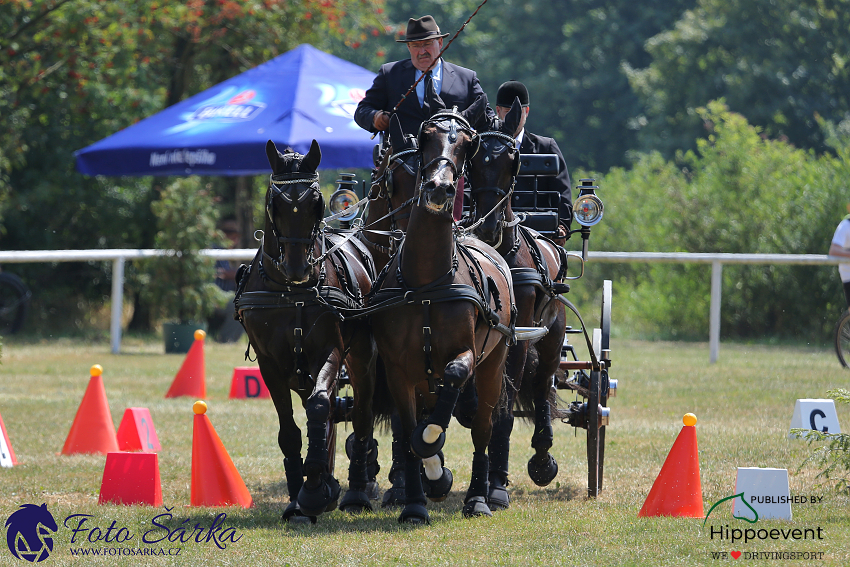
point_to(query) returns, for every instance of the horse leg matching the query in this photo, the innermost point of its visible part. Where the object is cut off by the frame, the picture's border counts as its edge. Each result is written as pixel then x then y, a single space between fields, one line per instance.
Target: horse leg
pixel 499 452
pixel 489 378
pixel 467 404
pixel 503 421
pixel 404 394
pixel 395 495
pixel 364 449
pixel 542 467
pixel 429 436
pixel 288 438
pixel 320 491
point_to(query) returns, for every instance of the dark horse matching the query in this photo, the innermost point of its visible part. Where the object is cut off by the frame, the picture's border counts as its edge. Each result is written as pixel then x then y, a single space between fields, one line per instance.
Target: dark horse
pixel 388 212
pixel 390 195
pixel 291 300
pixel 449 303
pixel 537 266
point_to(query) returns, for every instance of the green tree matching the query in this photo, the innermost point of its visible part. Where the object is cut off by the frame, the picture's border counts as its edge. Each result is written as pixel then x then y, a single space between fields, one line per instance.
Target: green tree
pixel 571 55
pixel 75 71
pixel 738 192
pixel 781 64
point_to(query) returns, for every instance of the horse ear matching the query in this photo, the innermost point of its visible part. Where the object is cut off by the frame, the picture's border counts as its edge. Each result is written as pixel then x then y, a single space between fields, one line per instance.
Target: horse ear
pixel 273 155
pixel 513 118
pixel 475 111
pixel 311 161
pixel 396 133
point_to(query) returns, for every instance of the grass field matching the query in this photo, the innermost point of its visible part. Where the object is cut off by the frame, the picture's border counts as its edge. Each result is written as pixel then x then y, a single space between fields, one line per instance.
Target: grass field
pixel 744 405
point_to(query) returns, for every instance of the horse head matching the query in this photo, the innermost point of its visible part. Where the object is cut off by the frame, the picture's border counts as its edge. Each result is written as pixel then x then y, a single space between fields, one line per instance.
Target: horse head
pixel 446 140
pixel 492 171
pixel 294 209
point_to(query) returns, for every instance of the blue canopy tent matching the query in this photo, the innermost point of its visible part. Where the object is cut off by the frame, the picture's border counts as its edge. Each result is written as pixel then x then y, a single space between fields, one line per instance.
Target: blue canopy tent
pixel 299 96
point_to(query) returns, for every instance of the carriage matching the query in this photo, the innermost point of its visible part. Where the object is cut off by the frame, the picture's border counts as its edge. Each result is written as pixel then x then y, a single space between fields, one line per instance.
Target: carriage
pixel 438 275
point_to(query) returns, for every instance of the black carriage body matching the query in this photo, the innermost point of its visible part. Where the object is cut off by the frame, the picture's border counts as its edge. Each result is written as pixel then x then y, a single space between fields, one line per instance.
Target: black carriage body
pixel 540 208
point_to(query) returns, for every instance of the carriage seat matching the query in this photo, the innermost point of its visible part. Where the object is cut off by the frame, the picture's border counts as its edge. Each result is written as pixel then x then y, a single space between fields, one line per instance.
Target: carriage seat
pixel 540 207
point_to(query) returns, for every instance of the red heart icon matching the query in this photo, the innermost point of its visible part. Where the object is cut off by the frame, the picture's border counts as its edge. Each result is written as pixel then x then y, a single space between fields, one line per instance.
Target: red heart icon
pixel 735 554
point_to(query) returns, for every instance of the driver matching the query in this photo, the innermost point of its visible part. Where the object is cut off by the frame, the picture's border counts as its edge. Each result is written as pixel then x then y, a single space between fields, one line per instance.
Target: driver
pixel 457 86
pixel 533 144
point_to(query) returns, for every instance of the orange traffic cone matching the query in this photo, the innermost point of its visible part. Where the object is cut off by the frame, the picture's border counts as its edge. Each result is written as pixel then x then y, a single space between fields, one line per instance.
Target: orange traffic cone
pixel 215 480
pixel 190 379
pixel 677 490
pixel 92 430
pixel 7 454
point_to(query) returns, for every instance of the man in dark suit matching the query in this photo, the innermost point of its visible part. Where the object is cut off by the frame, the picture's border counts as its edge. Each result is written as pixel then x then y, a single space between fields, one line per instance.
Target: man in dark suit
pixel 534 144
pixel 456 85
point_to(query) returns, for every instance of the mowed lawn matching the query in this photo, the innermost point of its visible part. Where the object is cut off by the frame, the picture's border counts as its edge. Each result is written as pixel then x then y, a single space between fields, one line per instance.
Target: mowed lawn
pixel 744 404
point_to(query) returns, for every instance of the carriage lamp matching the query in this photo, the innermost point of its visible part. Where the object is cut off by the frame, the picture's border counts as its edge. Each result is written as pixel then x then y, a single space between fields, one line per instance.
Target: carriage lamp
pixel 587 210
pixel 588 207
pixel 344 197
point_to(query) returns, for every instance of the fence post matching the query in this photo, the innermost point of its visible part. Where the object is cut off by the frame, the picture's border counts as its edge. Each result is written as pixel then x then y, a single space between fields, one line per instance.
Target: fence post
pixel 714 311
pixel 117 304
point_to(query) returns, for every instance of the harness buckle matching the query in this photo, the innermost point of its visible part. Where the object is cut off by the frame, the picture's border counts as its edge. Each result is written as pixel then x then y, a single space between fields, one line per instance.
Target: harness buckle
pixel 299 332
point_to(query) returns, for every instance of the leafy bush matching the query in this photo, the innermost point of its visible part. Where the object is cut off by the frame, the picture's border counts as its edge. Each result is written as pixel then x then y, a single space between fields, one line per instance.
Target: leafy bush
pixel 738 193
pixel 181 285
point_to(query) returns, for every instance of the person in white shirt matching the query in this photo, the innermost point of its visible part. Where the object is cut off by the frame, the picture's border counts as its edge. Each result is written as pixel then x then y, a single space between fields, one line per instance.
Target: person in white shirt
pixel 840 246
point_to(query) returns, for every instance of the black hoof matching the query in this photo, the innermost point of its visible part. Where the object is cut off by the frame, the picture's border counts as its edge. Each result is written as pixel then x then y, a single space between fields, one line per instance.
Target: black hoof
pixel 393 497
pixel 542 468
pixel 294 515
pixel 422 449
pixel 373 490
pixel 415 514
pixel 437 490
pixel 498 498
pixel 476 506
pixel 321 499
pixel 355 502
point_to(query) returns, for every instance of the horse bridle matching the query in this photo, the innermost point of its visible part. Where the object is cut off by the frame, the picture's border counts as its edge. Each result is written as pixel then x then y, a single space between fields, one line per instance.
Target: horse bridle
pixel 453 117
pixel 510 143
pixel 286 185
pixel 407 159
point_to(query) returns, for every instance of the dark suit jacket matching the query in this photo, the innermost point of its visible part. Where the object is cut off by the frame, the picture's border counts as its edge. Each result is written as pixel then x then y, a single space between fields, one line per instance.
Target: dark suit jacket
pixel 534 144
pixel 459 88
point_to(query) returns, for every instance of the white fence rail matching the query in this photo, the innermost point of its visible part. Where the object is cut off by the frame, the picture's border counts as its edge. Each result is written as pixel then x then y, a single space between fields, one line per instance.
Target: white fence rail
pixel 120 256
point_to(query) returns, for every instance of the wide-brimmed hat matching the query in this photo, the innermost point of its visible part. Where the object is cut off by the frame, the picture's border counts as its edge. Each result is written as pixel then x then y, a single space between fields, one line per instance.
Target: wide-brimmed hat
pixel 422 29
pixel 509 91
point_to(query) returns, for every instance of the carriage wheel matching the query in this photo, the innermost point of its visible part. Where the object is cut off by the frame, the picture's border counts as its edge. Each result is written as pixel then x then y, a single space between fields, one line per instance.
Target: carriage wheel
pixel 605 344
pixel 594 453
pixel 842 339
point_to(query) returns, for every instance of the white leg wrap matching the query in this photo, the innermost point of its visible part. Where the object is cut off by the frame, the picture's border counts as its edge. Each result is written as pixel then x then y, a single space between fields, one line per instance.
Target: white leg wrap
pixel 432 433
pixel 433 468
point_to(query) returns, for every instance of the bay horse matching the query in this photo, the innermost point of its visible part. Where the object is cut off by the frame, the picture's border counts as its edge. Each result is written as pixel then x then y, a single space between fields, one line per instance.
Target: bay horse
pixel 291 300
pixel 537 266
pixel 390 199
pixel 449 303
